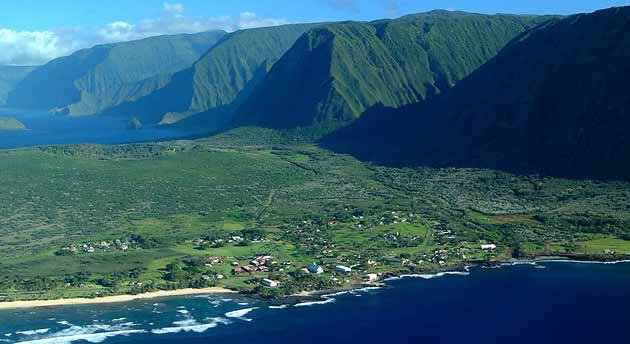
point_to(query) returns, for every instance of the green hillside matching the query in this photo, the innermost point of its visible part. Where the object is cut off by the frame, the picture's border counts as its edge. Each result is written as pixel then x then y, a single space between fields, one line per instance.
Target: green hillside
pixel 92 80
pixel 9 77
pixel 554 101
pixel 178 203
pixel 336 72
pixel 220 80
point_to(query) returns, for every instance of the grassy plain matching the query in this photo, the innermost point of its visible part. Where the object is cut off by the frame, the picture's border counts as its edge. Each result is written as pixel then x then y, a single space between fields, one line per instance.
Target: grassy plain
pixel 179 204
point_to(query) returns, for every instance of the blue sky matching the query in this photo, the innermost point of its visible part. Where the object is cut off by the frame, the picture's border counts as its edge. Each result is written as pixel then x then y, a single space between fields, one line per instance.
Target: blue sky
pixel 35 31
pixel 40 15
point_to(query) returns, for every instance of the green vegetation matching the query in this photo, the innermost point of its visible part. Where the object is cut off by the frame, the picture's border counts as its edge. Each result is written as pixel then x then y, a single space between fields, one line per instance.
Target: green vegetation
pixel 99 220
pixel 551 102
pixel 92 80
pixel 335 72
pixel 220 80
pixel 11 124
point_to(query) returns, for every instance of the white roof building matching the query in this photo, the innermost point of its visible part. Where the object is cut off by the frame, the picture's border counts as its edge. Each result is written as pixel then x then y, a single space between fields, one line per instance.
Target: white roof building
pixel 343 269
pixel 316 269
pixel 269 283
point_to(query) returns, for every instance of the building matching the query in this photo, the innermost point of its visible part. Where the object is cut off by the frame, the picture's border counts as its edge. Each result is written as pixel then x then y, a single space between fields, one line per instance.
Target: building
pixel 315 269
pixel 269 283
pixel 343 269
pixel 371 277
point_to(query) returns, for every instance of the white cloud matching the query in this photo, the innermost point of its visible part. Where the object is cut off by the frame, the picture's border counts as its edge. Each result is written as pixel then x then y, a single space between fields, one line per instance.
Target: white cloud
pixel 38 47
pixel 175 9
pixel 29 47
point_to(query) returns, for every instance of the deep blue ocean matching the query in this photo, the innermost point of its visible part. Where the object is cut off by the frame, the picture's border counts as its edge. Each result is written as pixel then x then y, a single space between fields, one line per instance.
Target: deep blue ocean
pixel 47 129
pixel 544 303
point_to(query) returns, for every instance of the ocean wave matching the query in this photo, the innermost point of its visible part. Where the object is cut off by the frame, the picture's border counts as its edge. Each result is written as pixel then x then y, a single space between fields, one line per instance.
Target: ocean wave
pixel 196 328
pixel 187 322
pixel 119 320
pixel 98 337
pixel 314 303
pixel 89 333
pixel 192 328
pixel 583 262
pixel 352 292
pixel 64 323
pixel 33 332
pixel 183 311
pixel 278 307
pixel 240 314
pixel 430 276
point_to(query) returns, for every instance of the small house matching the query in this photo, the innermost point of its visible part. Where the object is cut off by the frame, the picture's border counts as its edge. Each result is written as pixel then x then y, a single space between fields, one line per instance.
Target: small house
pixel 315 269
pixel 269 283
pixel 343 269
pixel 371 277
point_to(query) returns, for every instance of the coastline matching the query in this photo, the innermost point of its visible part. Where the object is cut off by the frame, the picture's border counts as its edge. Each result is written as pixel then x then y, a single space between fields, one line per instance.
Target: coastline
pixel 112 299
pixel 308 295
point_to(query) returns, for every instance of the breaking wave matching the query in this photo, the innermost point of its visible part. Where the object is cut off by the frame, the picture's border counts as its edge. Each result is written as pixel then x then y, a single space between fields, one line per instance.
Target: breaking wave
pixel 240 314
pixel 314 303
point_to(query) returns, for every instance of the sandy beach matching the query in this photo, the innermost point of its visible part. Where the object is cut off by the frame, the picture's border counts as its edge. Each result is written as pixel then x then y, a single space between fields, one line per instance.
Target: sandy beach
pixel 112 299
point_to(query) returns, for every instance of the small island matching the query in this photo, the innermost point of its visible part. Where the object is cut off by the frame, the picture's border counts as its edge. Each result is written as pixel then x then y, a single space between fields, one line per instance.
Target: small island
pixel 11 124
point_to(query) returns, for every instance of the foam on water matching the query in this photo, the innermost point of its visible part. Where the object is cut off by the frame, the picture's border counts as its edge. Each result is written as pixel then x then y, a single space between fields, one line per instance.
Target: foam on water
pixel 352 292
pixel 278 307
pixel 192 327
pixel 240 314
pixel 89 333
pixel 88 337
pixel 33 332
pixel 583 262
pixel 314 303
pixel 430 276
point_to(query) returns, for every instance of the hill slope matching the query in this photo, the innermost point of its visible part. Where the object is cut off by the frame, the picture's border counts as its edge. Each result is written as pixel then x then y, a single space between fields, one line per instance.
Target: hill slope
pixel 220 79
pixel 555 102
pixel 92 80
pixel 9 77
pixel 336 72
pixel 10 124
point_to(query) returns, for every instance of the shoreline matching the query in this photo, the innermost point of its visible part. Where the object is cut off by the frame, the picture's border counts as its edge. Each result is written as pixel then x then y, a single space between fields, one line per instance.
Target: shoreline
pixel 11 305
pixel 309 295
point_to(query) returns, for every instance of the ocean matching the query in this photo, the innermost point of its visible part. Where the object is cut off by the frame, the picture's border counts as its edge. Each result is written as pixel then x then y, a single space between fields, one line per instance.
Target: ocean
pixel 552 302
pixel 47 129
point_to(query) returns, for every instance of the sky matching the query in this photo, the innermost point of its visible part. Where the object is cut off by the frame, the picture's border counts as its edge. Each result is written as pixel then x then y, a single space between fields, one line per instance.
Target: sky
pixel 33 32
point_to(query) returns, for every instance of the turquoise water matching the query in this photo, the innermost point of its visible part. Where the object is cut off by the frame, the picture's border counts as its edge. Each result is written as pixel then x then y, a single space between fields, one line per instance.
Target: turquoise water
pixel 543 303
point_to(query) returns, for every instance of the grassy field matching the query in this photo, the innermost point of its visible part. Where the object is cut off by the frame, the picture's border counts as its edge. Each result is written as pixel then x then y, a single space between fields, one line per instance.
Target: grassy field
pixel 178 205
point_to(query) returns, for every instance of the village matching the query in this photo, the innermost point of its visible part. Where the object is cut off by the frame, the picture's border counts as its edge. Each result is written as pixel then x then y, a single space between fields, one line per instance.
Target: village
pixel 345 247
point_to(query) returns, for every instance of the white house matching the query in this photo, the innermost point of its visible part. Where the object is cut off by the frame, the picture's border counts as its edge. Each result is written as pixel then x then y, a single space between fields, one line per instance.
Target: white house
pixel 489 247
pixel 343 269
pixel 269 283
pixel 315 269
pixel 371 277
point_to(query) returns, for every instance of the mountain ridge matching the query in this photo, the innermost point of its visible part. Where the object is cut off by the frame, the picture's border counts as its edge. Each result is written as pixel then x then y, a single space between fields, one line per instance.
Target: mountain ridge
pixel 360 64
pixel 552 102
pixel 92 80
